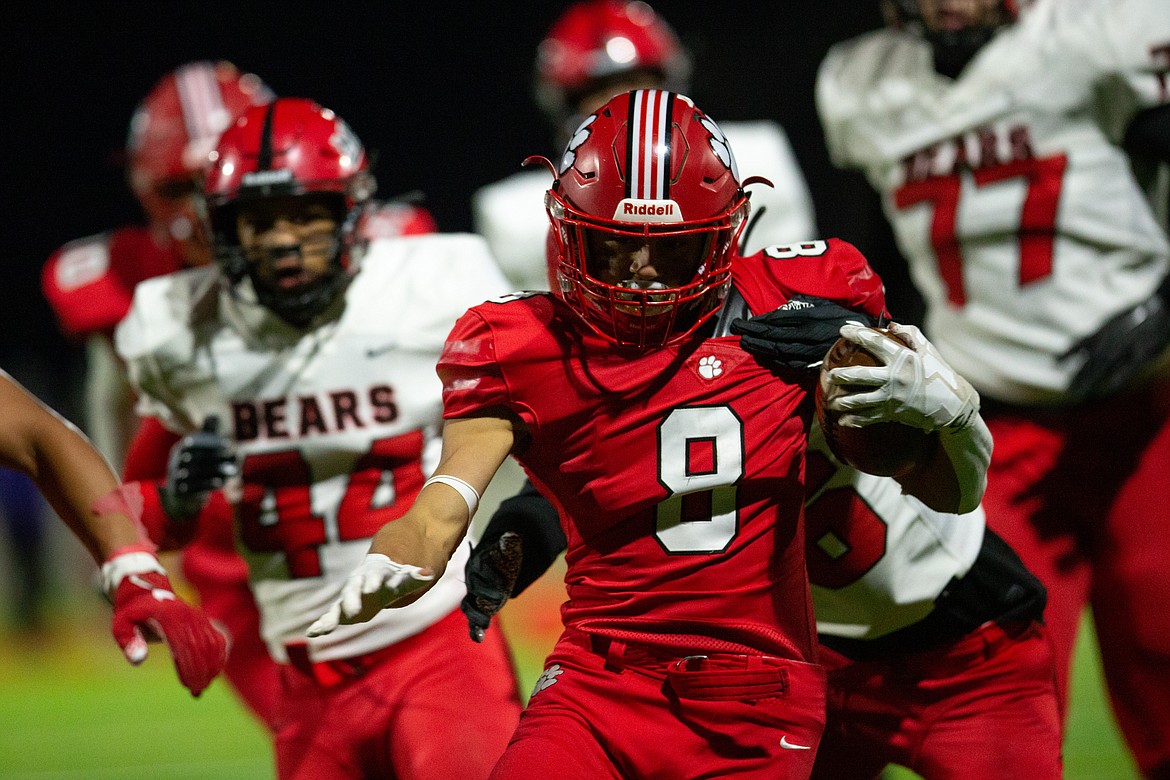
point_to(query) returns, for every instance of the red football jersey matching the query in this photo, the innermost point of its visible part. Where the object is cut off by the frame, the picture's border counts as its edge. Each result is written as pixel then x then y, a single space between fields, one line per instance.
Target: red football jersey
pixel 678 472
pixel 90 282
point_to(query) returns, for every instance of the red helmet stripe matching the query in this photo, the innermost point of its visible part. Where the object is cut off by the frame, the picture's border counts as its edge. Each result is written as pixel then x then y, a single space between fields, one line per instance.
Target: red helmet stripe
pixel 201 100
pixel 650 145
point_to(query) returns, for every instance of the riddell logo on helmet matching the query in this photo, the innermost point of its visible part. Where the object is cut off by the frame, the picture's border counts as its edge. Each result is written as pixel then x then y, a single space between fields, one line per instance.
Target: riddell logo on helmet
pixel 639 210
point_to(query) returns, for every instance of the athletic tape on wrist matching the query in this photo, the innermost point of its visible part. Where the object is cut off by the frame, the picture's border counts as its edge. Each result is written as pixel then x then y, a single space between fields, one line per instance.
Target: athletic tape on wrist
pixel 467 491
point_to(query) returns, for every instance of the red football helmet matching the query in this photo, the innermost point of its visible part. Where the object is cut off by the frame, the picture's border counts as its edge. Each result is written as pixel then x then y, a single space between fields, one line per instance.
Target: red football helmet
pixel 646 207
pixel 291 147
pixel 598 41
pixel 171 132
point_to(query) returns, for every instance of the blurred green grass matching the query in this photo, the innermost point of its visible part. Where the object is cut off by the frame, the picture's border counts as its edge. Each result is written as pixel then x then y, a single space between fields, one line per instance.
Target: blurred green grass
pixel 71 708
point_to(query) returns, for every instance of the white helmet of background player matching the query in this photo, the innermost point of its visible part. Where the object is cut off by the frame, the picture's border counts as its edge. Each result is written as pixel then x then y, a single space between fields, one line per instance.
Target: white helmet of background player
pixel 289 155
pixel 954 43
pixel 598 48
pixel 171 132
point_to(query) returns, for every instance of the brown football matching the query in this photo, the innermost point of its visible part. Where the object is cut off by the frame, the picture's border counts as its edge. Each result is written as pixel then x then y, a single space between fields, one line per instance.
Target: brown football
pixel 886 449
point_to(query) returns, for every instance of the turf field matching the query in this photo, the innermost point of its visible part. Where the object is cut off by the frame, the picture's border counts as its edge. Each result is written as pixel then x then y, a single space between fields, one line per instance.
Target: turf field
pixel 70 708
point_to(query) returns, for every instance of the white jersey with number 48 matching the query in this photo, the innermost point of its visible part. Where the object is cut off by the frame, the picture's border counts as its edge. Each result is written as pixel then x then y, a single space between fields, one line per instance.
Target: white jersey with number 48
pixel 336 428
pixel 1023 222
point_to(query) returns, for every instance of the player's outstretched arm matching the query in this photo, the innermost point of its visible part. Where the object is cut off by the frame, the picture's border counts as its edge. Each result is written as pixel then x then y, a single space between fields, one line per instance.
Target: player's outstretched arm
pixel 82 488
pixel 914 386
pixel 407 555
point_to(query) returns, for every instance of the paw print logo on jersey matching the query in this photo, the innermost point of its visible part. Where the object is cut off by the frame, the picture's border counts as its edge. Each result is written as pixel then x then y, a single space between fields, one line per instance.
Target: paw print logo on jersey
pixel 547 678
pixel 710 367
pixel 575 142
pixel 720 146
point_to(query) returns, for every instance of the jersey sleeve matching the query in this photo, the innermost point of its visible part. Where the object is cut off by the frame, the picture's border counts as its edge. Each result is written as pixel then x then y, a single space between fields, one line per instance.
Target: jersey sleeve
pixel 843 78
pixel 89 283
pixel 1133 38
pixel 831 269
pixel 154 341
pixel 471 375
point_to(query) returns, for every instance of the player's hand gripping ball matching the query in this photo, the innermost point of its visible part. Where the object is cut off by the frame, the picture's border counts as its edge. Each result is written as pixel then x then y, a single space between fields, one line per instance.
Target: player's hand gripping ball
pixel 887 449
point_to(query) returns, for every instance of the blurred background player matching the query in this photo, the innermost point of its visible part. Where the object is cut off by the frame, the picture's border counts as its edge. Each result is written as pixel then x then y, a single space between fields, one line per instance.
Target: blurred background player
pixel 597 49
pixel 76 480
pixel 90 282
pixel 1020 153
pixel 316 349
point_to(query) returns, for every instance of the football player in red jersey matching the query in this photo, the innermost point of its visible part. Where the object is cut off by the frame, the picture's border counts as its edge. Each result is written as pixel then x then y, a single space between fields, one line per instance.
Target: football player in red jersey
pixel 1017 148
pixel 675 458
pixel 76 480
pixel 299 372
pixel 89 283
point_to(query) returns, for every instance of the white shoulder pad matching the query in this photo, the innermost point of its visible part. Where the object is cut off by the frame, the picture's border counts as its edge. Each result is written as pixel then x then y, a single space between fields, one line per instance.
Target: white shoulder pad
pixel 786 212
pixel 422 284
pixel 162 314
pixel 510 215
pixel 845 80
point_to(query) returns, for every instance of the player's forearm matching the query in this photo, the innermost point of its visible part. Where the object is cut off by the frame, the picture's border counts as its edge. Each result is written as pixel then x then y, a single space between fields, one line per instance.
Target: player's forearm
pixel 954 478
pixel 80 486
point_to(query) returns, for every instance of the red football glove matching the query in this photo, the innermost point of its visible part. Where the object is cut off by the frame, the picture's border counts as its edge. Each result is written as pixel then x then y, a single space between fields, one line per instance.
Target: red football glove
pixel 147 609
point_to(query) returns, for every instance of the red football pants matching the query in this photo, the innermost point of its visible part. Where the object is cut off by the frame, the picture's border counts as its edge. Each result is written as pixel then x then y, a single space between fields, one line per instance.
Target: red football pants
pixel 982 707
pixel 1084 498
pixel 220 577
pixel 435 706
pixel 594 716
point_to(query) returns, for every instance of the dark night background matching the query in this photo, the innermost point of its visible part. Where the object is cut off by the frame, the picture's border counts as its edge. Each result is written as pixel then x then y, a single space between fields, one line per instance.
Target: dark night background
pixel 441 92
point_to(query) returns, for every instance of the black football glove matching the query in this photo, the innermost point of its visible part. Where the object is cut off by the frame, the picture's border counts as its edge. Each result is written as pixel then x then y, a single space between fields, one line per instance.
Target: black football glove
pixel 518 545
pixel 798 334
pixel 198 464
pixel 1121 348
pixel 492 571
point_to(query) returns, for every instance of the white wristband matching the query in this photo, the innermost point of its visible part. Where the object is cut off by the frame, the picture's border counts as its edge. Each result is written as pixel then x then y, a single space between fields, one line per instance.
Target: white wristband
pixel 465 490
pixel 126 564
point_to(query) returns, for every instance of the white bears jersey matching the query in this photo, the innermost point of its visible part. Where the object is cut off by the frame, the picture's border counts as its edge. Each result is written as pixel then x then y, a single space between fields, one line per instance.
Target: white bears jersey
pixel 877 564
pixel 1023 223
pixel 510 213
pixel 336 429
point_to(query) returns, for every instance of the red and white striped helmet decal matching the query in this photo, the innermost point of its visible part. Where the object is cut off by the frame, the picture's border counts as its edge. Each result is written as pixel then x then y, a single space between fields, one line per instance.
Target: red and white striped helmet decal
pixel 649 145
pixel 204 113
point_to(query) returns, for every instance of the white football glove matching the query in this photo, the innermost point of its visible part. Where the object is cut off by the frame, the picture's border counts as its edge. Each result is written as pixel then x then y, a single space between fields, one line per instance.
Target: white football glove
pixel 373 586
pixel 915 387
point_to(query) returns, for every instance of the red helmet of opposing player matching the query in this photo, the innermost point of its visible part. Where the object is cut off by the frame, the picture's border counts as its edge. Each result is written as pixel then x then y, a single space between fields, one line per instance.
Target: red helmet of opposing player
pixel 646 209
pixel 172 131
pixel 602 41
pixel 291 147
